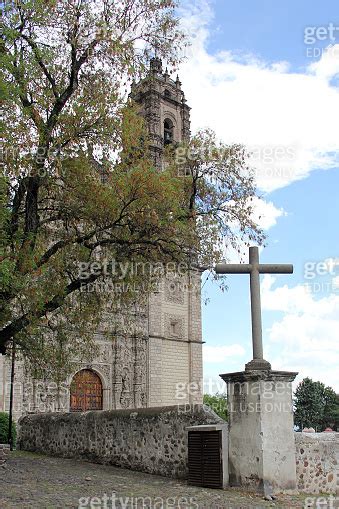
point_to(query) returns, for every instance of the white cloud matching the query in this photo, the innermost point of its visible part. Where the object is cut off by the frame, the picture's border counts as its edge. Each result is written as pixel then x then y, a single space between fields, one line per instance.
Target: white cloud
pixel 306 337
pixel 263 105
pixel 218 354
pixel 328 66
pixel 265 213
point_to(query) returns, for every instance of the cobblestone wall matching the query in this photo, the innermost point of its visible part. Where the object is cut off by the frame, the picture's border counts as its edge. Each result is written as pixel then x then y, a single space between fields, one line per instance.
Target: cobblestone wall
pixel 4 453
pixel 317 458
pixel 152 440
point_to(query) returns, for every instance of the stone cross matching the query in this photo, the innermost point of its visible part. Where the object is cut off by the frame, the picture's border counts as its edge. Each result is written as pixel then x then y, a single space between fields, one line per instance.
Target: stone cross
pixel 254 269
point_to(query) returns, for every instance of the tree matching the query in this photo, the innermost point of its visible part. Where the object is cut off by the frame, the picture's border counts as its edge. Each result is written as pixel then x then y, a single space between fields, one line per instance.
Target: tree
pixel 331 410
pixel 79 194
pixel 218 403
pixel 334 423
pixel 4 428
pixel 220 188
pixel 315 405
pixel 62 68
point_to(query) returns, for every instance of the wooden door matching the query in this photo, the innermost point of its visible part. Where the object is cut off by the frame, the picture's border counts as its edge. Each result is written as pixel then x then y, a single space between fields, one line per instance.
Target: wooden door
pixel 86 391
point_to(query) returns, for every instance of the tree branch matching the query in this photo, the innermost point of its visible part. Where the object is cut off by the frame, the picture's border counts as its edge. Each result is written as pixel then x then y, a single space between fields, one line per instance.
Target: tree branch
pixel 38 58
pixel 17 325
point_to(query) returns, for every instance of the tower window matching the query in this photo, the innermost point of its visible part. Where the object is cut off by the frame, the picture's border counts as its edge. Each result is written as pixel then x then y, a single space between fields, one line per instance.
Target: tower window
pixel 168 131
pixel 167 93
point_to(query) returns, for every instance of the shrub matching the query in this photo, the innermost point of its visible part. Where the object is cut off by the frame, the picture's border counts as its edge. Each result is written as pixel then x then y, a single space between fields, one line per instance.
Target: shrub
pixel 218 403
pixel 4 426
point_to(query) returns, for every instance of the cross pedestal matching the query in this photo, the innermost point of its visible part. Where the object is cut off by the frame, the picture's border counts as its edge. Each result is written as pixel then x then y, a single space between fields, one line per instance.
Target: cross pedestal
pixel 260 425
pixel 261 437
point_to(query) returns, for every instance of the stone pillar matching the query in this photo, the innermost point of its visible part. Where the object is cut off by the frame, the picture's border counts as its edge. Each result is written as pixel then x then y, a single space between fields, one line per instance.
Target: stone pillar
pixel 261 436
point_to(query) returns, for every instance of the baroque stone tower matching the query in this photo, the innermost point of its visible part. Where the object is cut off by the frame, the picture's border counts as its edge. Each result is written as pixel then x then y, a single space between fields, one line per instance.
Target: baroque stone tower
pixel 163 105
pixel 174 314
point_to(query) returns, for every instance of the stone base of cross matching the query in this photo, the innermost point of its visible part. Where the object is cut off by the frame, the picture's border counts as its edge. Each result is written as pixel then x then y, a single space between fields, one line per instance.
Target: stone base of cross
pixel 258 364
pixel 254 269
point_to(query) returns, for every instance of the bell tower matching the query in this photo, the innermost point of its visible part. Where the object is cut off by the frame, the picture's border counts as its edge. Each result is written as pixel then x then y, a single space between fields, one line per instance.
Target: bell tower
pixel 164 108
pixel 174 311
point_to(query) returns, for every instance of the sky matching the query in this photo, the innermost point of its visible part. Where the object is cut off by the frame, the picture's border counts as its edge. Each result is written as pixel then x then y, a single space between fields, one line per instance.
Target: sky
pixel 266 74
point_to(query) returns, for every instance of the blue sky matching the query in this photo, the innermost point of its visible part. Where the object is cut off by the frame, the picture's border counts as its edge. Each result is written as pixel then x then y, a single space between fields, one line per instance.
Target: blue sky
pixel 273 30
pixel 266 74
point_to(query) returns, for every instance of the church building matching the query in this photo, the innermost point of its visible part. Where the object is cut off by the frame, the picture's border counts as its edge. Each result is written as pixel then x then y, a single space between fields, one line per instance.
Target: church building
pixel 163 364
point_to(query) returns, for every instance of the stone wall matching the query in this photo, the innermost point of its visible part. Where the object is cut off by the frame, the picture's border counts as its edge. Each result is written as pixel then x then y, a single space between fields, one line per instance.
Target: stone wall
pixel 4 453
pixel 317 458
pixel 152 440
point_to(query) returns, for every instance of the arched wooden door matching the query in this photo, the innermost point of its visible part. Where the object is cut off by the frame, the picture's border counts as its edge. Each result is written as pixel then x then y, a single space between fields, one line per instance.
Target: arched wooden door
pixel 86 391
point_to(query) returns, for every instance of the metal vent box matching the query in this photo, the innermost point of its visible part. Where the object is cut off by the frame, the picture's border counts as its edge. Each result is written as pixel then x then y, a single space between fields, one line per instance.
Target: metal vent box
pixel 208 456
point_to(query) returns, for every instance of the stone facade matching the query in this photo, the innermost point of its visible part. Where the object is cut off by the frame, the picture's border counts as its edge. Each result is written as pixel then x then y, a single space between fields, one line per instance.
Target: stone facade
pixel 317 458
pixel 152 440
pixel 141 370
pixel 135 372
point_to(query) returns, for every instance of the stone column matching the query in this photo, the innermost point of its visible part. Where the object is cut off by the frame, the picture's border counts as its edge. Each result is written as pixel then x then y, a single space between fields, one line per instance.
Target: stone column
pixel 261 436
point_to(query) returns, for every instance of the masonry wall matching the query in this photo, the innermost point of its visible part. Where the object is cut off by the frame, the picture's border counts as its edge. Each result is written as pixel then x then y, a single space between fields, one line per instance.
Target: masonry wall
pixel 317 459
pixel 152 440
pixel 175 342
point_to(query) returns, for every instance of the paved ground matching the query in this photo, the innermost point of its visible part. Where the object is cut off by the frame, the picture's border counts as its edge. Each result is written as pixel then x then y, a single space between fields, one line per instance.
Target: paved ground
pixel 36 481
